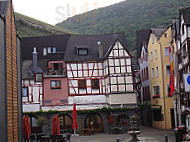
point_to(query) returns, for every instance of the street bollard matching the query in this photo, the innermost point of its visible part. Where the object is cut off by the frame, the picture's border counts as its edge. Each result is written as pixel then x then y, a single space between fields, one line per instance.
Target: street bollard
pixel 118 140
pixel 166 138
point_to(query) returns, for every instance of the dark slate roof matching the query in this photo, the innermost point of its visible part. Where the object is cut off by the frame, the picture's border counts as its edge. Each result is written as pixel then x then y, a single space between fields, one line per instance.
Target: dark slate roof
pixel 4 7
pixel 90 42
pixel 158 32
pixel 27 68
pixel 58 41
pixel 186 14
pixel 142 38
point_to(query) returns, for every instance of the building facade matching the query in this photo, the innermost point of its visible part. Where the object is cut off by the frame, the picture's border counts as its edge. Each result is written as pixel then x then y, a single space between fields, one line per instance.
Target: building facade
pixel 143 62
pixel 10 78
pixel 159 69
pixel 92 71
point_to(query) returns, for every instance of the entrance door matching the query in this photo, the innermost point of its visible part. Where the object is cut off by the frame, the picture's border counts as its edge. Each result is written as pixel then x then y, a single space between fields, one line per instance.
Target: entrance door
pixel 172 117
pixel 94 121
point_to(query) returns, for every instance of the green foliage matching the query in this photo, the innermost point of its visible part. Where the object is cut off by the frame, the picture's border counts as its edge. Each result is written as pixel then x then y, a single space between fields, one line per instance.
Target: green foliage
pixel 42 121
pixel 104 109
pixel 29 27
pixel 129 16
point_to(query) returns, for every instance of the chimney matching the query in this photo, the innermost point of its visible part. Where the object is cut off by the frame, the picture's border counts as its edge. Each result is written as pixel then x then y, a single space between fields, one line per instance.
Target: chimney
pixel 100 50
pixel 35 59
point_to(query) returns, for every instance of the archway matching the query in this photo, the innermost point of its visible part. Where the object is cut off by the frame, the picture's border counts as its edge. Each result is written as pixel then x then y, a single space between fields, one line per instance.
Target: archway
pixel 95 122
pixel 65 123
pixel 33 124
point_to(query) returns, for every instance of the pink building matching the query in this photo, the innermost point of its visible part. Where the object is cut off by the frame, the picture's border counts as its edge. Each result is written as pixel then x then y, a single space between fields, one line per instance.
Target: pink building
pixel 55 84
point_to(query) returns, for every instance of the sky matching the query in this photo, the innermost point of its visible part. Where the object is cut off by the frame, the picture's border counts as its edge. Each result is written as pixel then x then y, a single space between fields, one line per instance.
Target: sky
pixel 55 11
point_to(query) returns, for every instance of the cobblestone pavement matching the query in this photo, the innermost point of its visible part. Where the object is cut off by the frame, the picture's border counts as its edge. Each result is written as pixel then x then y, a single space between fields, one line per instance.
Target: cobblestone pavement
pixel 148 134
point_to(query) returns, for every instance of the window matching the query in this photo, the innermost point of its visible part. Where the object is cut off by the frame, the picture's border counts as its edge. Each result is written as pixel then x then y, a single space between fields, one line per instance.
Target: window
pixel 168 89
pixel 82 51
pixel 157 72
pixel 156 90
pixel 82 84
pixel 56 84
pixel 147 75
pixel 95 83
pixel 151 55
pixel 144 74
pixel 165 35
pixel 44 51
pixel 166 51
pixel 183 29
pixel 153 39
pixel 152 72
pixel 38 77
pixel 24 91
pixel 49 49
pixel 157 114
pixel 54 50
pixel 167 69
pixel 156 54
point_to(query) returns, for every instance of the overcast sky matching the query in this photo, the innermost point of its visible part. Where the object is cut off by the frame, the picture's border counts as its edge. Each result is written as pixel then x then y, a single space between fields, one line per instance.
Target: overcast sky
pixel 55 11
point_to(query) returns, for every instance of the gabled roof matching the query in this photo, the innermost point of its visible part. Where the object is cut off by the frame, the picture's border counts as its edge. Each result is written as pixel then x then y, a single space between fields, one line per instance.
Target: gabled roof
pixel 158 32
pixel 186 14
pixel 58 41
pixel 90 42
pixel 142 39
pixel 4 7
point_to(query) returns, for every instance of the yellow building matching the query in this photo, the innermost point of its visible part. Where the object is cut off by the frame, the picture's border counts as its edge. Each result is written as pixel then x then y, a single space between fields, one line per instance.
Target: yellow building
pixel 159 68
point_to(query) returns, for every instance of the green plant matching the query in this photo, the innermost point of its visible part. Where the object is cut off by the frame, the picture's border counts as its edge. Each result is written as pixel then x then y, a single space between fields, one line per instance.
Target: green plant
pixel 42 121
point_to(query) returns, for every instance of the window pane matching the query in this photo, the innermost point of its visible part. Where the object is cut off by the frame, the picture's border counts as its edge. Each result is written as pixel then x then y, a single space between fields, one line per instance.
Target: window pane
pixel 25 91
pixel 56 84
pixel 54 49
pixel 82 84
pixel 38 77
pixel 95 84
pixel 49 49
pixel 44 51
pixel 168 70
pixel 82 51
pixel 166 51
pixel 156 90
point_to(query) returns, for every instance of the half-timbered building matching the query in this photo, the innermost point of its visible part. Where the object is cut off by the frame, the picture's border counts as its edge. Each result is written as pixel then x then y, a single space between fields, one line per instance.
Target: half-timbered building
pixel 99 70
pixel 43 72
pixel 10 99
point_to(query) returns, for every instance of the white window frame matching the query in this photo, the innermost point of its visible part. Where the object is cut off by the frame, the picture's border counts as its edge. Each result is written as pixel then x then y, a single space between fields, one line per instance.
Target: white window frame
pixel 153 90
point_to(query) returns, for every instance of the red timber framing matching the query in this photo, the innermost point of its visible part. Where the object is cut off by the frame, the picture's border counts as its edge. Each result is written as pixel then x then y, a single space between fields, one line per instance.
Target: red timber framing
pixel 120 70
pixel 114 74
pixel 34 92
pixel 84 73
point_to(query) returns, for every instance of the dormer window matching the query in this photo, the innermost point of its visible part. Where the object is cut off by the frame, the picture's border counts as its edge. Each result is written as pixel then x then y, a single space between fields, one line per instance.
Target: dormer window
pixel 54 50
pixel 38 77
pixel 82 51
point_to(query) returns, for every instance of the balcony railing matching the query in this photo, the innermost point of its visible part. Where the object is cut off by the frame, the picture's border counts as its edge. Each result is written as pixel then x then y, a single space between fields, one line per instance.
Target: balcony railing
pixel 60 71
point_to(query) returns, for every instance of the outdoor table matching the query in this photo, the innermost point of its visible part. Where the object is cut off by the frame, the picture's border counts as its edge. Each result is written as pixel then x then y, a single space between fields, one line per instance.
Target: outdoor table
pixel 45 138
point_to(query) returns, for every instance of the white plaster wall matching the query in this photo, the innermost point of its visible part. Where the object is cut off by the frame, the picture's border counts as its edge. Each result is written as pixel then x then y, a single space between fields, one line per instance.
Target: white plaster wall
pixel 128 98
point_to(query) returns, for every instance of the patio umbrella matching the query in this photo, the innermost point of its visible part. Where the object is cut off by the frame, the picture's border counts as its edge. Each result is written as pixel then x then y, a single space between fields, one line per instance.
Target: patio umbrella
pixel 55 126
pixel 111 119
pixel 75 125
pixel 26 128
